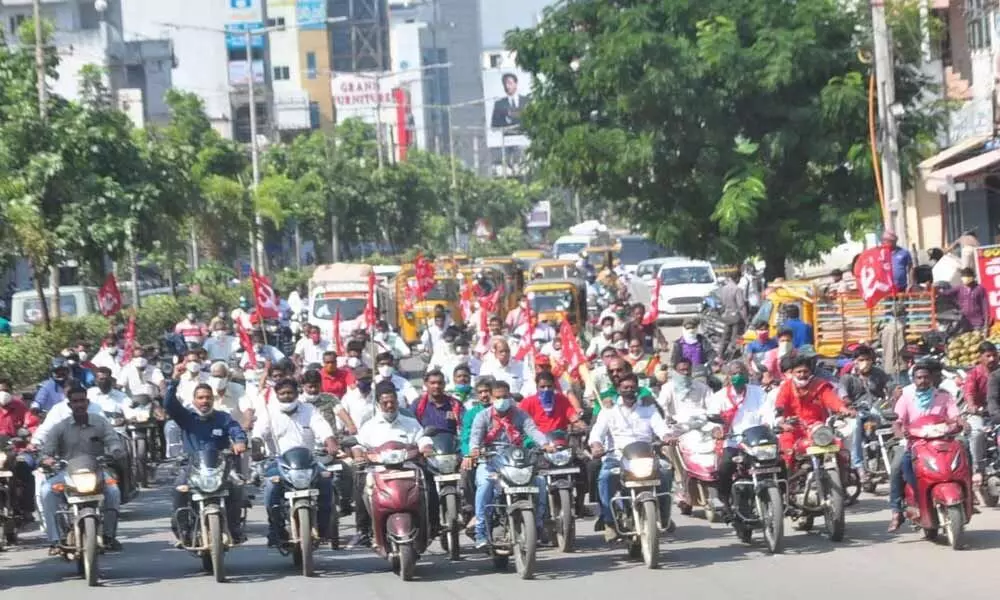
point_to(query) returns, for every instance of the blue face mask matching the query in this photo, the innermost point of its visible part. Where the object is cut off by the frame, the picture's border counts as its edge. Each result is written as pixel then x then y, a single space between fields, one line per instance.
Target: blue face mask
pixel 547 398
pixel 365 387
pixel 924 398
pixel 463 389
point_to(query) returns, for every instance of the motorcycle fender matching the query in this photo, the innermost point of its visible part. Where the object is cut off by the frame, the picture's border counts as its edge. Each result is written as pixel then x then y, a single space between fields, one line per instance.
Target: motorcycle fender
pixel 448 490
pixel 210 509
pixel 301 503
pixel 948 494
pixel 400 526
pixel 564 483
pixel 643 496
pixel 519 505
pixel 86 512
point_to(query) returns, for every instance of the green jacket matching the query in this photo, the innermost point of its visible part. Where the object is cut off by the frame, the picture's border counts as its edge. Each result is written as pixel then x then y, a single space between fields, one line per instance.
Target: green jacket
pixel 645 396
pixel 470 416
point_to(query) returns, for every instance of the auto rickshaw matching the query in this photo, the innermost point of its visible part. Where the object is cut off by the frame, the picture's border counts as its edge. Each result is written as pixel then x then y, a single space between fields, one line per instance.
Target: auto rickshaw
pixel 493 277
pixel 553 268
pixel 512 274
pixel 412 320
pixel 555 300
pixel 528 254
pixel 458 259
pixel 600 256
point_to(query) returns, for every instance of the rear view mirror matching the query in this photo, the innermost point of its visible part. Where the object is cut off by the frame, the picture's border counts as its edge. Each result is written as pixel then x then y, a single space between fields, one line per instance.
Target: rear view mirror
pixel 717 419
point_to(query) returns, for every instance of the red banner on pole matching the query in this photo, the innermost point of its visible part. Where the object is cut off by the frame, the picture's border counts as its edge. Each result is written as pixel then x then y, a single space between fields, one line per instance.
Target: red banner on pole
pixel 572 354
pixel 873 272
pixel 129 339
pixel 247 344
pixel 109 298
pixel 370 314
pixel 267 300
pixel 988 265
pixel 654 305
pixel 338 342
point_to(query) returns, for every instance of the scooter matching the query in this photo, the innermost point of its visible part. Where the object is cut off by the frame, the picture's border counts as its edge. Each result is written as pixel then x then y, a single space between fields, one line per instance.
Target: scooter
pixel 942 498
pixel 396 497
pixel 696 452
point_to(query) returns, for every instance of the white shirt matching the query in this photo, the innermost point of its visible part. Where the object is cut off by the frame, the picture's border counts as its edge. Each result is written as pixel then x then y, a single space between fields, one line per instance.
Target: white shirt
pixel 754 410
pixel 513 373
pixel 543 332
pixel 378 431
pixel 597 343
pixel 442 356
pixel 115 401
pixel 474 364
pixel 433 338
pixel 360 408
pixel 233 400
pixel 186 385
pixel 391 342
pixel 312 352
pixel 404 389
pixel 59 413
pixel 303 428
pixel 265 353
pixel 221 348
pixel 682 408
pixel 621 426
pixel 133 381
pixel 103 358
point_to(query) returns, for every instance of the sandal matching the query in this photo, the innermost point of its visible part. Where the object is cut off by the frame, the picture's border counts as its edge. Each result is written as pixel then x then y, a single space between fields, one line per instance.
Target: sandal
pixel 895 523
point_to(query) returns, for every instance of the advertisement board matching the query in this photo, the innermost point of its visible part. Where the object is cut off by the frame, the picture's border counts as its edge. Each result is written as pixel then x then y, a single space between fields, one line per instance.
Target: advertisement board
pixel 236 39
pixel 359 96
pixel 507 91
pixel 988 265
pixel 310 11
pixel 238 72
pixel 540 216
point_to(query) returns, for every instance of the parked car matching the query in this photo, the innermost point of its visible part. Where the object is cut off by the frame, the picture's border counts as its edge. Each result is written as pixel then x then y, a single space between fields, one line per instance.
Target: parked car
pixel 684 285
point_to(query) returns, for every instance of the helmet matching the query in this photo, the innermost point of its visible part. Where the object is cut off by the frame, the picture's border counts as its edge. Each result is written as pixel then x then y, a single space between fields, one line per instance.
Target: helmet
pixel 59 363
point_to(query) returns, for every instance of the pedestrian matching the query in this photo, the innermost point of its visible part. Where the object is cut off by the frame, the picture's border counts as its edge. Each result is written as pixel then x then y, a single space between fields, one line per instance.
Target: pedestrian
pixel 903 273
pixel 802 332
pixel 750 284
pixel 734 314
pixel 972 302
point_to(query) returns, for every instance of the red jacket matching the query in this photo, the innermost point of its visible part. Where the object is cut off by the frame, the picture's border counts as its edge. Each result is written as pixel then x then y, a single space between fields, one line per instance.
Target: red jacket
pixel 336 383
pixel 562 413
pixel 811 404
pixel 13 417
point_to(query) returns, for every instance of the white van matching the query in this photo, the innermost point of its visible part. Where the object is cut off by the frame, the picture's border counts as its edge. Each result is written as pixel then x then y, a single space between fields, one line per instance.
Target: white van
pixel 569 247
pixel 74 301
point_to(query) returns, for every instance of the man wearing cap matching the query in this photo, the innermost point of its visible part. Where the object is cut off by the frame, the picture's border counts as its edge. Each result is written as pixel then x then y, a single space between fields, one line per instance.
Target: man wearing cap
pixel 903 274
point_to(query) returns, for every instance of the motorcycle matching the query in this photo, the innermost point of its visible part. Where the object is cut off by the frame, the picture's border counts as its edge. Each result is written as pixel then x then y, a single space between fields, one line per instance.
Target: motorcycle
pixel 397 502
pixel 878 445
pixel 203 528
pixel 299 470
pixel 11 517
pixel 757 500
pixel 942 498
pixel 636 510
pixel 696 452
pixel 512 530
pixel 816 484
pixel 80 518
pixel 125 470
pixel 141 431
pixel 444 466
pixel 560 478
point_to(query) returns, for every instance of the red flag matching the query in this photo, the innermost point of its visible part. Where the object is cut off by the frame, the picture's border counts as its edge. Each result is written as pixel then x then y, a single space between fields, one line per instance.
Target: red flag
pixel 423 269
pixel 528 341
pixel 246 343
pixel 572 355
pixel 410 296
pixel 129 336
pixel 370 315
pixel 109 299
pixel 873 272
pixel 338 342
pixel 654 305
pixel 267 300
pixel 466 295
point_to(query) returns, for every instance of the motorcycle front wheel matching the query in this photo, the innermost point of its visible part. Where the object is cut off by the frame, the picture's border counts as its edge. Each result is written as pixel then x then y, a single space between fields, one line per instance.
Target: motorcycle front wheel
pixel 649 534
pixel 773 517
pixel 565 524
pixel 88 530
pixel 525 543
pixel 305 549
pixel 216 556
pixel 450 538
pixel 833 513
pixel 953 519
pixel 407 561
pixel 141 466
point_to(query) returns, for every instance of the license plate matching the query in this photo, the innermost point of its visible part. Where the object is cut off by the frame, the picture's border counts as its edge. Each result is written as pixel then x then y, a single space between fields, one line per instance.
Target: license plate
pixel 528 489
pixel 84 499
pixel 566 471
pixel 301 494
pixel 398 475
pixel 448 477
pixel 196 497
pixel 813 450
pixel 641 484
pixel 887 431
pixel 6 473
pixel 766 470
pixel 336 467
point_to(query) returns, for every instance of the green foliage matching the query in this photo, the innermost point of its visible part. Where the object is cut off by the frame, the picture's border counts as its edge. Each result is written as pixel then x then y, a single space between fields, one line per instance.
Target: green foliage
pixel 287 280
pixel 723 128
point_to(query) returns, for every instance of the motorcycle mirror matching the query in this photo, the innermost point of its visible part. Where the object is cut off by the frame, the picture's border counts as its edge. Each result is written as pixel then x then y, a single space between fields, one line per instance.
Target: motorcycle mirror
pixel 348 442
pixel 717 419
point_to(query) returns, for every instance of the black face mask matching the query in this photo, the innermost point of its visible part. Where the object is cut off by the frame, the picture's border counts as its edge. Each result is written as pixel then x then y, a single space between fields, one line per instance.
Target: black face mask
pixel 104 386
pixel 365 387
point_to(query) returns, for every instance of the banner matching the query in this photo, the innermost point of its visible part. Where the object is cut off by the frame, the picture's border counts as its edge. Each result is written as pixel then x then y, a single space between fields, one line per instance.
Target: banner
pixel 572 354
pixel 109 298
pixel 371 316
pixel 247 344
pixel 654 305
pixel 873 272
pixel 988 265
pixel 129 338
pixel 338 341
pixel 266 300
pixel 424 271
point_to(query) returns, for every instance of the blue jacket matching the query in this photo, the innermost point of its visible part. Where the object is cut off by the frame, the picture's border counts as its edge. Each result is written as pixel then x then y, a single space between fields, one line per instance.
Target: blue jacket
pixel 218 430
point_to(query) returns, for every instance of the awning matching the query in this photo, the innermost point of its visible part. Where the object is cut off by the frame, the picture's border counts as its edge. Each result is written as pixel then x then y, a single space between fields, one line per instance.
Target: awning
pixel 951 152
pixel 965 168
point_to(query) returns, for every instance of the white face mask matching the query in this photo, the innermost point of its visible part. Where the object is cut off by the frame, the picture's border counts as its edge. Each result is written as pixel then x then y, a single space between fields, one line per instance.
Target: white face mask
pixel 390 416
pixel 289 407
pixel 635 353
pixel 308 397
pixel 784 348
pixel 802 381
pixel 353 361
pixel 503 404
pixel 690 335
pixel 5 398
pixel 607 330
pixel 218 333
pixel 83 356
pixel 193 367
pixel 218 383
pixel 140 363
pixel 385 371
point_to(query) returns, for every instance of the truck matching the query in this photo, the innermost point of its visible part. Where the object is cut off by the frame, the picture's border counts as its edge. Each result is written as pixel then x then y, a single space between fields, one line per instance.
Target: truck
pixel 343 287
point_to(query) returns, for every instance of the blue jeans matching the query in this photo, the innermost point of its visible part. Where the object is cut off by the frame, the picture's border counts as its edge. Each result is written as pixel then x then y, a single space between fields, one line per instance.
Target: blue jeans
pixel 51 500
pixel 858 444
pixel 274 497
pixel 902 473
pixel 486 490
pixel 608 481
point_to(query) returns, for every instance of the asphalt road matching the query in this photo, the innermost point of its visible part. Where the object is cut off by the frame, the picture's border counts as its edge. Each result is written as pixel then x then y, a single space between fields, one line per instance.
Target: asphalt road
pixel 701 560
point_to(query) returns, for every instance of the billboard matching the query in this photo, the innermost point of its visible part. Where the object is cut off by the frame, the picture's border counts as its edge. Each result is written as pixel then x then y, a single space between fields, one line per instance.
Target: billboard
pixel 310 11
pixel 236 39
pixel 359 96
pixel 506 93
pixel 238 72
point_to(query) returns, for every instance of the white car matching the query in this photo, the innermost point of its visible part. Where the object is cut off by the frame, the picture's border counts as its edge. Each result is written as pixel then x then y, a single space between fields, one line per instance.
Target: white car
pixel 647 270
pixel 684 285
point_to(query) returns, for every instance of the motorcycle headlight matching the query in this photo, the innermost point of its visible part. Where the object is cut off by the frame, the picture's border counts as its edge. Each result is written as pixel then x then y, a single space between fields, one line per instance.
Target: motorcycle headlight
pixel 83 482
pixel 763 452
pixel 300 478
pixel 392 457
pixel 518 475
pixel 142 417
pixel 207 480
pixel 823 436
pixel 641 467
pixel 559 458
pixel 445 463
pixel 956 461
pixel 3 458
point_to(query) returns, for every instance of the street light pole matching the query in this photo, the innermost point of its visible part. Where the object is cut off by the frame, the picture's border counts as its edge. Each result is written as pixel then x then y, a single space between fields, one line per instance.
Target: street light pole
pixel 258 236
pixel 892 180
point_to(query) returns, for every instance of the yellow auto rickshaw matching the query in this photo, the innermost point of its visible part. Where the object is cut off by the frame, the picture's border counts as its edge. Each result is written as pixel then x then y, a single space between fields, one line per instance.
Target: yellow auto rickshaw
pixel 602 256
pixel 528 254
pixel 553 268
pixel 412 320
pixel 490 278
pixel 513 275
pixel 842 319
pixel 555 300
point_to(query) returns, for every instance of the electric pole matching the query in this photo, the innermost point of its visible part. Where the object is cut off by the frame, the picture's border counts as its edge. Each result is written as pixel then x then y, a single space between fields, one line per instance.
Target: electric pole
pixel 892 181
pixel 43 100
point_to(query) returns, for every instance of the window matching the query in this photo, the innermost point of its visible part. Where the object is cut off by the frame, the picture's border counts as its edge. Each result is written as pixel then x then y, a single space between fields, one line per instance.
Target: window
pixel 15 22
pixel 279 22
pixel 281 74
pixel 977 25
pixel 314 115
pixel 311 65
pixel 496 61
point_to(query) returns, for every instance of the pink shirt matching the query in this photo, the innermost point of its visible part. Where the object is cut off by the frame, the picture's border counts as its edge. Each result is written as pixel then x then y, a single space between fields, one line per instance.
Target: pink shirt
pixel 907 410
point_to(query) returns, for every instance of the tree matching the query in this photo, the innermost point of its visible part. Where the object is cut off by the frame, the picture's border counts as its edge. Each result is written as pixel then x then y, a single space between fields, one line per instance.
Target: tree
pixel 725 128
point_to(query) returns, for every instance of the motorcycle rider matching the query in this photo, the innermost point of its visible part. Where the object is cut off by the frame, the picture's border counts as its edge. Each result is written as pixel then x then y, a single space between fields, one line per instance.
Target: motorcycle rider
pixel 311 347
pixel 920 399
pixel 974 392
pixel 203 427
pixel 741 405
pixel 327 404
pixel 52 391
pixel 866 384
pixel 681 399
pixel 138 372
pixel 506 424
pixel 617 427
pixel 810 399
pixel 76 370
pixel 85 433
pixel 387 340
pixel 105 395
pixel 193 330
pixel 193 376
pixel 358 400
pixel 617 368
pixel 461 385
pixel 287 424
pixel 693 345
pixel 386 366
pixel 643 365
pixel 773 357
pixel 437 409
pixel 108 355
pixel 335 379
pixel 483 400
pixel 503 366
pixel 14 416
pixel 387 425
